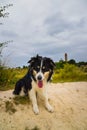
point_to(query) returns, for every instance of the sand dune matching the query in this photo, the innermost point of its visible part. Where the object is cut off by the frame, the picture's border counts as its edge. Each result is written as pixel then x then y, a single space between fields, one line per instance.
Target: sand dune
pixel 70 110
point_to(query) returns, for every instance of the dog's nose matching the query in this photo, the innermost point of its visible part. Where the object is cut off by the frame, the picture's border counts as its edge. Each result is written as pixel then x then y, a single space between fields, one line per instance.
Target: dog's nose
pixel 39 77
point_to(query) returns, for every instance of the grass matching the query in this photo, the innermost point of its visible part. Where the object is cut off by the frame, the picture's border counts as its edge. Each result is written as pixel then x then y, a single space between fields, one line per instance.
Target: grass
pixel 9 76
pixel 21 100
pixel 6 87
pixel 35 128
pixel 10 107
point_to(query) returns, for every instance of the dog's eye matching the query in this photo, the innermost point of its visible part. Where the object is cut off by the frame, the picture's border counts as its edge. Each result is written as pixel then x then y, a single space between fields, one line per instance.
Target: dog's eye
pixel 43 67
pixel 38 67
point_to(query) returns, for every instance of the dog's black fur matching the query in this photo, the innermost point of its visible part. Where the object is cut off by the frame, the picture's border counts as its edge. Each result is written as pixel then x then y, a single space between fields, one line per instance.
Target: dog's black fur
pixel 26 81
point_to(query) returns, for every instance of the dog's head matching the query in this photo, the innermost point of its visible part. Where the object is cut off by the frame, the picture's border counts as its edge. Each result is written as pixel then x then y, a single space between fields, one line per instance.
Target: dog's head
pixel 41 69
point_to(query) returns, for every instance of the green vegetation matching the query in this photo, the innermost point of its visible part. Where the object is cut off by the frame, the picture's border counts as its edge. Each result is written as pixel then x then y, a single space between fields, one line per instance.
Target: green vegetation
pixel 8 77
pixel 10 107
pixel 26 128
pixel 21 100
pixel 69 73
pixel 35 128
pixel 64 72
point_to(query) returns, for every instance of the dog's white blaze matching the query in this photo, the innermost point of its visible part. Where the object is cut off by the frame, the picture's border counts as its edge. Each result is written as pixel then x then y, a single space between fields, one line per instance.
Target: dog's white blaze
pixel 40 72
pixel 41 64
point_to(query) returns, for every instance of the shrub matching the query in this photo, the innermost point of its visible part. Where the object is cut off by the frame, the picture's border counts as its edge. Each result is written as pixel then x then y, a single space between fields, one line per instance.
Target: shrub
pixel 9 76
pixel 6 77
pixel 69 73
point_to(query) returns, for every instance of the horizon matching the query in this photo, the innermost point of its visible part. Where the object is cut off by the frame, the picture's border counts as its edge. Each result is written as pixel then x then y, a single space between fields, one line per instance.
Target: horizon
pixel 48 28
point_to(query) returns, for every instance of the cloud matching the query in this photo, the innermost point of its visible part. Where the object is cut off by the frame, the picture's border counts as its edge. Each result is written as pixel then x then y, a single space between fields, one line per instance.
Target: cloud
pixel 45 27
pixel 7 33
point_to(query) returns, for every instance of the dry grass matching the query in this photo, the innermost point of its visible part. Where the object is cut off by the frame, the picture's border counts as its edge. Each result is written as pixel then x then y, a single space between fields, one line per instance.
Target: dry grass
pixel 9 106
pixel 21 100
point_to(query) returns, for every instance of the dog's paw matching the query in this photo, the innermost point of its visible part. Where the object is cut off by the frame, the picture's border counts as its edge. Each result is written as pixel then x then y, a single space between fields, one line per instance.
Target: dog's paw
pixel 36 110
pixel 15 93
pixel 49 108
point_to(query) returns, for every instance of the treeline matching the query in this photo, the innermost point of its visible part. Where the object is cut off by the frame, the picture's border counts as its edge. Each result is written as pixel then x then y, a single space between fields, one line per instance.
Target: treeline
pixel 61 63
pixel 82 64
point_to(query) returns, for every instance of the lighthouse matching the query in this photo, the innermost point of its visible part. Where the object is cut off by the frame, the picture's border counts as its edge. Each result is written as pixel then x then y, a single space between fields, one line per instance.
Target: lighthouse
pixel 66 57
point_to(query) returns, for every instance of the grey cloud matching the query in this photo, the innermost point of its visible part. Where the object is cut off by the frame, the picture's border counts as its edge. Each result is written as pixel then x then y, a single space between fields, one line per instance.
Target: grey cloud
pixel 7 33
pixel 56 24
pixel 49 28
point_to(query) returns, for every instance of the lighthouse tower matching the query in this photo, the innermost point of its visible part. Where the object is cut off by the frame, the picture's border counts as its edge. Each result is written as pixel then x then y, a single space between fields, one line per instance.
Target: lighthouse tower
pixel 66 57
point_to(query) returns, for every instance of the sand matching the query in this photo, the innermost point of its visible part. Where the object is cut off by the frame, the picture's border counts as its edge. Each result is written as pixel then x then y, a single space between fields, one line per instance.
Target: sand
pixel 70 110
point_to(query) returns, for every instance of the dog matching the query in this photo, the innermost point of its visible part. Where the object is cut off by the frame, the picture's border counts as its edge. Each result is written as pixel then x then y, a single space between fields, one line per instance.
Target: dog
pixel 35 81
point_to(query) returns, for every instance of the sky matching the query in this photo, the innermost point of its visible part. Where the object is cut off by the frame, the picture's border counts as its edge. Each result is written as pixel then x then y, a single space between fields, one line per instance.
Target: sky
pixel 49 28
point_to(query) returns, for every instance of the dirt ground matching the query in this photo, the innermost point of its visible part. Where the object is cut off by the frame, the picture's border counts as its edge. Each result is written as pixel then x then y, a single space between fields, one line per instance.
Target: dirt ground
pixel 70 110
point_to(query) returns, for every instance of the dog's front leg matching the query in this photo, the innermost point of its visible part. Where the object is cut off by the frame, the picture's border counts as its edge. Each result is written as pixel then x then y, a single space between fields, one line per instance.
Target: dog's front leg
pixel 47 105
pixel 33 99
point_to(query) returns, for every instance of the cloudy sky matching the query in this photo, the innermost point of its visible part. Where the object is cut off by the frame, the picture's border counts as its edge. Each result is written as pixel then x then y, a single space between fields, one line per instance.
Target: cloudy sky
pixel 45 27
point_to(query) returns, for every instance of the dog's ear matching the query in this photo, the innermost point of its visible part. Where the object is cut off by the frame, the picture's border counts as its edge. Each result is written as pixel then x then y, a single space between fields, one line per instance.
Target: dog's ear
pixel 52 63
pixel 31 61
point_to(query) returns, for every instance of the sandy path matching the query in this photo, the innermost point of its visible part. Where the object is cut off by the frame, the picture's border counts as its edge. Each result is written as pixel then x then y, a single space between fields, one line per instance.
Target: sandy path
pixel 70 104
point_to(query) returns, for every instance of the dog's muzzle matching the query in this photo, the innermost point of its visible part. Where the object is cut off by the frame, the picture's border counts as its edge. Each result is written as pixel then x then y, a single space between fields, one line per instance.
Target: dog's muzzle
pixel 40 78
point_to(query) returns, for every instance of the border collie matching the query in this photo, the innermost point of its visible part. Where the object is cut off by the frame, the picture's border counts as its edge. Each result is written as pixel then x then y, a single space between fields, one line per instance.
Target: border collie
pixel 35 81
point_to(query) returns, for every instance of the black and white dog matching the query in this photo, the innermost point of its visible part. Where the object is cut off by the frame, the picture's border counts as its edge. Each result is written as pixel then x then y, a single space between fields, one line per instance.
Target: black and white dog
pixel 34 82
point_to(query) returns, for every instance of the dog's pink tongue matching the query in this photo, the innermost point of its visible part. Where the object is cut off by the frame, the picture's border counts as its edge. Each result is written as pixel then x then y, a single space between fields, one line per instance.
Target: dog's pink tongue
pixel 40 84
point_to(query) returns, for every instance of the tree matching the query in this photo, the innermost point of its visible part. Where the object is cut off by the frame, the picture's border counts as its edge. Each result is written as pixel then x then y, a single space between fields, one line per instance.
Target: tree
pixel 3 14
pixel 2 46
pixel 72 61
pixel 2 10
pixel 6 75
